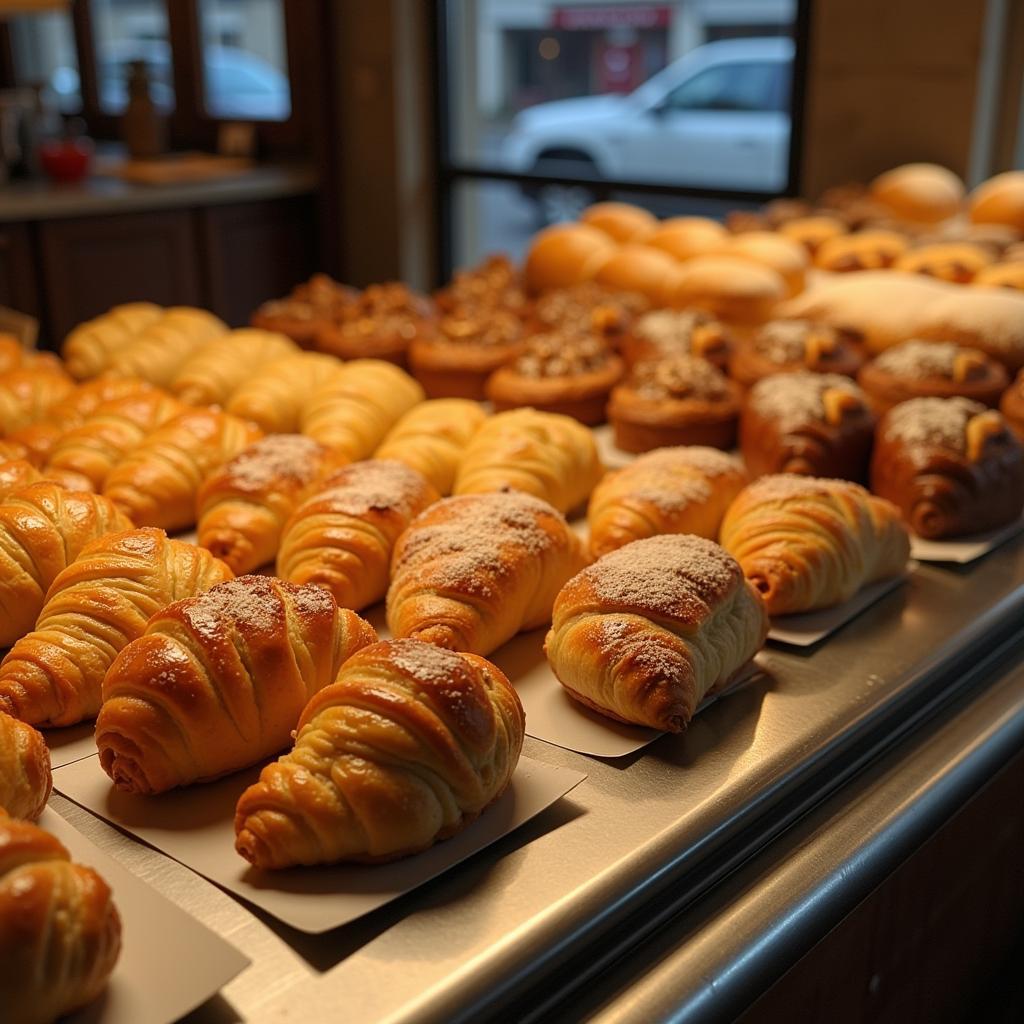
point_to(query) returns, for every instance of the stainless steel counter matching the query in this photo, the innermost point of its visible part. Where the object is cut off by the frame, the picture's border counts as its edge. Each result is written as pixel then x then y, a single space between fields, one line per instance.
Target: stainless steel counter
pixel 637 843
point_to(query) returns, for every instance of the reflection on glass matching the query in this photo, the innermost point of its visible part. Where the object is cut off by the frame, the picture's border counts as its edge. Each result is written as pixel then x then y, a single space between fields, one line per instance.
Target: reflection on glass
pixel 127 31
pixel 245 63
pixel 43 47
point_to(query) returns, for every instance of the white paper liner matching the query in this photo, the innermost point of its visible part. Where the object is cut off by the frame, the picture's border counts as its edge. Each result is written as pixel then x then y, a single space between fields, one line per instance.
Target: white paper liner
pixel 70 744
pixel 963 550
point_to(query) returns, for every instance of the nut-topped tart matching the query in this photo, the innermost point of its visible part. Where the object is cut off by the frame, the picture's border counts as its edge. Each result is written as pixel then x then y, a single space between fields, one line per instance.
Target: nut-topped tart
pixel 493 284
pixel 786 346
pixel 588 308
pixel 310 306
pixel 673 332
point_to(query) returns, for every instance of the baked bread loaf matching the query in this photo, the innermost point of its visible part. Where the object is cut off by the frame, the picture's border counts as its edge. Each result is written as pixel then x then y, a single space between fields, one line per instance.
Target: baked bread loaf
pixel 25 780
pixel 643 270
pixel 157 483
pixel 60 933
pixel 1000 200
pixel 305 310
pixel 732 289
pixel 922 193
pixel 564 255
pixel 17 473
pixel 775 251
pixel 406 748
pixel 431 438
pixel 89 349
pixel 870 249
pixel 474 570
pixel 550 456
pixel 808 543
pixel 647 631
pixel 813 232
pixel 242 507
pixel 342 537
pixel 218 682
pixel 957 262
pixel 787 346
pixel 813 424
pixel 685 237
pixel 672 401
pixel 675 332
pixel 950 465
pixel 622 222
pixel 670 490
pixel 42 529
pixel 274 396
pixel 95 607
pixel 27 395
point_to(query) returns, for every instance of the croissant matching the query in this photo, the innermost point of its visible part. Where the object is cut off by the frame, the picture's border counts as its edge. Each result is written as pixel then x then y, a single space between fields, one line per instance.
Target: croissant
pixel 353 411
pixel 16 356
pixel 11 450
pixel 42 529
pixel 89 348
pixel 214 372
pixel 25 781
pixel 551 456
pixel 407 747
pixel 162 347
pixel 18 473
pixel 96 606
pixel 60 933
pixel 274 395
pixel 243 506
pixel 343 536
pixel 647 631
pixel 157 483
pixel 26 395
pixel 218 682
pixel 807 543
pixel 669 490
pixel 472 571
pixel 432 437
pixel 111 432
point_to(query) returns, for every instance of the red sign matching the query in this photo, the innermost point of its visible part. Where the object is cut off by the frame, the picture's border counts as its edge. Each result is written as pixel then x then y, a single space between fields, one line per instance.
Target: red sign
pixel 620 16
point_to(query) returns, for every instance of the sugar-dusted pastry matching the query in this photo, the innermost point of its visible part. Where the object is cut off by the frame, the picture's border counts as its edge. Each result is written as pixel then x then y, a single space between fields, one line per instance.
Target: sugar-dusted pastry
pixel 565 373
pixel 116 428
pixel 950 465
pixel 669 490
pixel 783 255
pixel 43 527
pixel 587 308
pixel 958 262
pixel 564 255
pixel 677 332
pixel 871 249
pixel 1001 275
pixel 274 396
pixel 157 483
pixel 242 507
pixel 212 374
pixel 931 369
pixel 89 349
pixel 647 631
pixel 808 543
pixel 27 395
pixel 431 438
pixel 919 192
pixel 353 411
pixel 553 457
pixel 408 746
pixel 17 473
pixel 60 933
pixel 467 348
pixel 736 290
pixel 25 780
pixel 814 424
pixel 622 222
pixel 785 346
pixel 342 537
pixel 305 310
pixel 218 682
pixel 474 570
pixel 674 400
pixel 97 605
pixel 813 232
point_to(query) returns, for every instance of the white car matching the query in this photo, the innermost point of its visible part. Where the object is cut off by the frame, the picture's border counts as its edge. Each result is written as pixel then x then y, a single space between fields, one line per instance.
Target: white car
pixel 717 117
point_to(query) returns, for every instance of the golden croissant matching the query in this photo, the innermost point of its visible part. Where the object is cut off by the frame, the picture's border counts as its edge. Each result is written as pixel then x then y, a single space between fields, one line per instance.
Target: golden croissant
pixel 90 347
pixel 473 571
pixel 808 543
pixel 242 507
pixel 43 527
pixel 551 456
pixel 342 537
pixel 431 438
pixel 27 395
pixel 668 490
pixel 647 631
pixel 18 473
pixel 407 747
pixel 96 607
pixel 217 682
pixel 60 933
pixel 157 483
pixel 353 411
pixel 213 373
pixel 25 780
pixel 16 356
pixel 274 395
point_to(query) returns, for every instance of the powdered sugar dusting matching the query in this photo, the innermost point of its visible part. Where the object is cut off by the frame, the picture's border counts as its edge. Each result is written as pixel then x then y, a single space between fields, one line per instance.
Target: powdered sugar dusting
pixel 785 341
pixel 374 485
pixel 426 663
pixel 709 461
pixel 792 399
pixel 932 421
pixel 279 458
pixel 787 486
pixel 921 359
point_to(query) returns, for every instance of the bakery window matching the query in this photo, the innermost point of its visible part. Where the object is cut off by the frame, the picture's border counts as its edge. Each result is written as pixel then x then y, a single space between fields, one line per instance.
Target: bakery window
pixel 43 56
pixel 124 33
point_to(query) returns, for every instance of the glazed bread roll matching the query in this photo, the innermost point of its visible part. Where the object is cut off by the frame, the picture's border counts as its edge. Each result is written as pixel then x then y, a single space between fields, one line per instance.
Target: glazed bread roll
pixel 647 631
pixel 729 288
pixel 870 249
pixel 950 465
pixel 341 538
pixel 550 456
pixel 808 543
pixel 778 253
pixel 670 490
pixel 89 349
pixel 622 222
pixel 957 262
pixel 42 529
pixel 25 780
pixel 788 346
pixel 685 237
pixel 157 483
pixel 642 269
pixel 27 395
pixel 1000 200
pixel 274 396
pixel 564 255
pixel 218 682
pixel 17 473
pixel 923 193
pixel 406 747
pixel 432 437
pixel 98 604
pixel 474 570
pixel 60 933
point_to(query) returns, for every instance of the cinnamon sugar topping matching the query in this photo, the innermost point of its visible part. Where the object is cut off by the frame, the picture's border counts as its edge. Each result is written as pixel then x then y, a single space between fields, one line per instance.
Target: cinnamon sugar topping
pixel 373 485
pixel 292 458
pixel 793 399
pixel 932 421
pixel 678 377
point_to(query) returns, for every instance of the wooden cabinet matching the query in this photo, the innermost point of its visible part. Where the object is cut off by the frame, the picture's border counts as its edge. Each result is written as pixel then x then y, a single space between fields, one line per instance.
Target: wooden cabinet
pixel 18 288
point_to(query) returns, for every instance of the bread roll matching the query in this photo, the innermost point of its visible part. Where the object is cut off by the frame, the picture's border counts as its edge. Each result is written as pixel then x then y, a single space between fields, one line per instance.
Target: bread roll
pixel 1000 200
pixel 730 288
pixel 639 268
pixel 566 254
pixel 786 257
pixel 685 237
pixel 924 193
pixel 622 222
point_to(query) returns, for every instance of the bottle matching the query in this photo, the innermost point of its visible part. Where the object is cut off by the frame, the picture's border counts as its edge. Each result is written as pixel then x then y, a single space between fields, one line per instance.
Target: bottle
pixel 142 127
